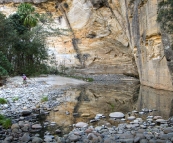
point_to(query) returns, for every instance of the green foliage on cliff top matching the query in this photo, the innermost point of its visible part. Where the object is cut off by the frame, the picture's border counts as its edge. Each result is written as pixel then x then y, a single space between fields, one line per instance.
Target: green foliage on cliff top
pixel 165 15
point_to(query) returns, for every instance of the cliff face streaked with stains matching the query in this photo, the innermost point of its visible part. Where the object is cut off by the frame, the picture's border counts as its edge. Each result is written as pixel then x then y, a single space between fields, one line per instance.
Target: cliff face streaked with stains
pixel 109 36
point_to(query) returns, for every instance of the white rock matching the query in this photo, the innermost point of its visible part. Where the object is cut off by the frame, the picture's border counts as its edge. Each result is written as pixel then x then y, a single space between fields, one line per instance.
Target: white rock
pixel 81 125
pixel 36 126
pixel 139 119
pixel 131 118
pixel 136 121
pixel 160 120
pixel 157 117
pixel 116 115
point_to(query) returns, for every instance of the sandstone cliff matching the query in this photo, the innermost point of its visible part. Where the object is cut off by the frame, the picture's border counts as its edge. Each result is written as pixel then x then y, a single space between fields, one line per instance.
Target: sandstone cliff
pixel 108 36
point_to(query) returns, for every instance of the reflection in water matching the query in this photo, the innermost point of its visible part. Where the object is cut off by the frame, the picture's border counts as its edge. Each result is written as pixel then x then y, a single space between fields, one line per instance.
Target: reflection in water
pixel 161 100
pixel 88 100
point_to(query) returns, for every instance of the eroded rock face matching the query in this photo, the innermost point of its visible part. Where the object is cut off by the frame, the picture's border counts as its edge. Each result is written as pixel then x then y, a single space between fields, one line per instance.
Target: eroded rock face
pixel 97 43
pixel 106 36
pixel 149 51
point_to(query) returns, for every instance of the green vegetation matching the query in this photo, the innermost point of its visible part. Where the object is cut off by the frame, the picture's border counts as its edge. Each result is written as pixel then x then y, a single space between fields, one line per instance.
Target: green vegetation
pixel 28 15
pixel 3 101
pixel 165 15
pixel 78 77
pixel 5 122
pixel 111 105
pixel 15 99
pixel 22 41
pixel 44 99
pixel 22 47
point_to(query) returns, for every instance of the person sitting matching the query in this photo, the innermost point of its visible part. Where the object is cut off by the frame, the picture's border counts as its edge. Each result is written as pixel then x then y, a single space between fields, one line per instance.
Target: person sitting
pixel 24 79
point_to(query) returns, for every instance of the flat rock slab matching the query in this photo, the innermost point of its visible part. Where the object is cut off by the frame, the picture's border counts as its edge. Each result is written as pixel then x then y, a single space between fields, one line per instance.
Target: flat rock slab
pixel 116 115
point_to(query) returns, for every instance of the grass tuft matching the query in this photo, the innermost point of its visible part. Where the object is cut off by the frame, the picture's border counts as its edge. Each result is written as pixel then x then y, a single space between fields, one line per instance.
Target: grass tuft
pixel 3 101
pixel 5 122
pixel 15 99
pixel 44 99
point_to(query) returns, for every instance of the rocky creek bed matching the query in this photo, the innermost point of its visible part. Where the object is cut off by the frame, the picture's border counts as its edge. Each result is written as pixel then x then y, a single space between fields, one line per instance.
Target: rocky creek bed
pixel 29 114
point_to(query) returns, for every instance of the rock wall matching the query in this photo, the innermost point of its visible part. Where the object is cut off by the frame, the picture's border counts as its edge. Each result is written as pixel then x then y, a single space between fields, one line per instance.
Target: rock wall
pixel 147 42
pixel 95 42
pixel 108 36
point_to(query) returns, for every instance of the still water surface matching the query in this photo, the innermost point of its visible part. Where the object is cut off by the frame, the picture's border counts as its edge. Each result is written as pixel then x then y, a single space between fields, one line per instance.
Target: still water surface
pixel 89 100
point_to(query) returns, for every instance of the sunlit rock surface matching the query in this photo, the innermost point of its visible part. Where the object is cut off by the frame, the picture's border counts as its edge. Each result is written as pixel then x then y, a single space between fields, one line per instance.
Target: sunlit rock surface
pixel 108 37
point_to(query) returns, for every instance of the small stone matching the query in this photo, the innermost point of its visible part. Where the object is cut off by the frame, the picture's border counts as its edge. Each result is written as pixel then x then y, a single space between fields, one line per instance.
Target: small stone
pixel 135 111
pixel 26 113
pixel 48 138
pixel 81 125
pixel 74 138
pixel 168 130
pixel 88 131
pixel 141 113
pixel 157 117
pixel 37 140
pixel 15 126
pixel 145 110
pixel 160 120
pixel 22 118
pixel 36 126
pixel 56 109
pixel 91 121
pixel 67 113
pixel 75 114
pixel 136 139
pixel 58 131
pixel 117 115
pixel 85 115
pixel 136 121
pixel 131 118
pixel 25 137
pixel 143 126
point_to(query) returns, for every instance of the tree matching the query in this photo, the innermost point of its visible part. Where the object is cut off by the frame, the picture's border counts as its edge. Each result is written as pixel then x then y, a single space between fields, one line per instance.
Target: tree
pixel 22 41
pixel 25 51
pixel 28 15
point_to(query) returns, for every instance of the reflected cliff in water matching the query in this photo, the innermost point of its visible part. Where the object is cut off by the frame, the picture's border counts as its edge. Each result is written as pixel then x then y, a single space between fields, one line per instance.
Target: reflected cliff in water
pixel 84 102
pixel 161 100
